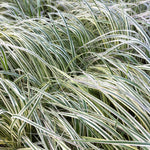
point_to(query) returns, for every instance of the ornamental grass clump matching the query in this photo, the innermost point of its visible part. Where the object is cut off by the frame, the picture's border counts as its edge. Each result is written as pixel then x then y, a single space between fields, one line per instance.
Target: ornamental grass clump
pixel 74 75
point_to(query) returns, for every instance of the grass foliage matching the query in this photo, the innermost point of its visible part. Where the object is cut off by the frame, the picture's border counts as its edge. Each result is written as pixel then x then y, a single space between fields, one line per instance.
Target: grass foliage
pixel 74 75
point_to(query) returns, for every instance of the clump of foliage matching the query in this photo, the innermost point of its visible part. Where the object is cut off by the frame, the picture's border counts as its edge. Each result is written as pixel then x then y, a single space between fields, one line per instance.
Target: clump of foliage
pixel 74 75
